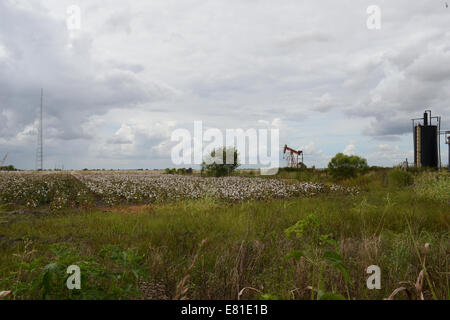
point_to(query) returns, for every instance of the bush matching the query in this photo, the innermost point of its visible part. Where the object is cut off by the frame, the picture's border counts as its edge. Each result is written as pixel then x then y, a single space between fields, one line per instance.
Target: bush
pixel 171 171
pixel 180 171
pixel 343 166
pixel 8 168
pixel 216 164
pixel 400 178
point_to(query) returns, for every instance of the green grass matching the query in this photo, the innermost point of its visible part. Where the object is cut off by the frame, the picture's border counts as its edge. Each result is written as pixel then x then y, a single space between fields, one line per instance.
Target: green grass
pixel 246 244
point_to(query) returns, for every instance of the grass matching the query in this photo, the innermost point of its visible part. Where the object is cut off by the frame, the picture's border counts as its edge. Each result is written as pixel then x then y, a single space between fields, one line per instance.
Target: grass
pixel 212 250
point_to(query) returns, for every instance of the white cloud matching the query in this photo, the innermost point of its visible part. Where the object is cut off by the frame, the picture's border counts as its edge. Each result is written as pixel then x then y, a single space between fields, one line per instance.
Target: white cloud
pixel 391 154
pixel 325 103
pixel 349 150
pixel 3 52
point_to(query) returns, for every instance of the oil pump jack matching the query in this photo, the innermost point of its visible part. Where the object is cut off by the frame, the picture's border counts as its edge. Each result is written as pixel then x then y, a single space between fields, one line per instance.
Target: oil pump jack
pixel 292 157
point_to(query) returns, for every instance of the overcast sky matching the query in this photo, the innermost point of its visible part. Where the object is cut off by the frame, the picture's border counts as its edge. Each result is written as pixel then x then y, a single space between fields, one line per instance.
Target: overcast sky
pixel 137 70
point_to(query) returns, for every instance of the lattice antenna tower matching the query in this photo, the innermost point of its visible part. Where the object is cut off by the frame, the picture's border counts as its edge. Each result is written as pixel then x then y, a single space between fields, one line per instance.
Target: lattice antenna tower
pixel 40 142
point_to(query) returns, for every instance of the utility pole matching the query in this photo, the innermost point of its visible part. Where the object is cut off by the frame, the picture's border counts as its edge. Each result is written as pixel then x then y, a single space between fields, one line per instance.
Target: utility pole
pixel 40 147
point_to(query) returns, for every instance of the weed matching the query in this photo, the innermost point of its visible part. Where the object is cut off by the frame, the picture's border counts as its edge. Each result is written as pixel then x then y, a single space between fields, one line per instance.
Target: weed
pixel 310 226
pixel 400 178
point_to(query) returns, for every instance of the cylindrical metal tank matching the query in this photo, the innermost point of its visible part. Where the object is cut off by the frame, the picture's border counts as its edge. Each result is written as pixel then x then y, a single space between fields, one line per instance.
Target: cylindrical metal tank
pixel 426 144
pixel 430 146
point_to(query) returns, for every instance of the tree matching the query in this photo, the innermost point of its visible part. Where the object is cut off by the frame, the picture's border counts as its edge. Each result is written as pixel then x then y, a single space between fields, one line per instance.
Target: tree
pixel 216 163
pixel 8 168
pixel 343 166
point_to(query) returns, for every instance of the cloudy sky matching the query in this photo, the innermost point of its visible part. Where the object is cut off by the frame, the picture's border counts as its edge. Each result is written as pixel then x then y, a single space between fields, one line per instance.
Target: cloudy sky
pixel 116 89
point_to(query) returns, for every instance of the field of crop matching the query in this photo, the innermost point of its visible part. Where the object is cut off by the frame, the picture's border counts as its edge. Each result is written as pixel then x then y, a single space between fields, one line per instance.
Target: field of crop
pixel 59 190
pixel 298 235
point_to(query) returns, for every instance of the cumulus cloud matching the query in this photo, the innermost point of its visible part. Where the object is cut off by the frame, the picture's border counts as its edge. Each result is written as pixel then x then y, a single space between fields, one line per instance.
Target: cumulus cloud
pixel 391 154
pixel 407 89
pixel 325 103
pixel 349 150
pixel 314 156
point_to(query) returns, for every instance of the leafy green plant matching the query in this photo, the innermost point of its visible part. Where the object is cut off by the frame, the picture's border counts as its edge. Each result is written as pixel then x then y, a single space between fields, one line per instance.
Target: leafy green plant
pixel 310 226
pixel 113 274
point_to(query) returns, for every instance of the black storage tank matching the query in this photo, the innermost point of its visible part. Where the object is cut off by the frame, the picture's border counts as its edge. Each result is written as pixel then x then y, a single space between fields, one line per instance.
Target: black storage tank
pixel 426 152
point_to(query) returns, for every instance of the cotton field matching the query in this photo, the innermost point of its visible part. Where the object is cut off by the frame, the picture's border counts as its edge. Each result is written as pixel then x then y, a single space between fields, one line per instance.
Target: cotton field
pixel 61 190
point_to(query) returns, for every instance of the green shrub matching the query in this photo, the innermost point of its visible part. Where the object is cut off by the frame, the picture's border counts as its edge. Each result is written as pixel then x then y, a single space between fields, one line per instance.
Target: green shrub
pixel 400 178
pixel 218 165
pixel 343 166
